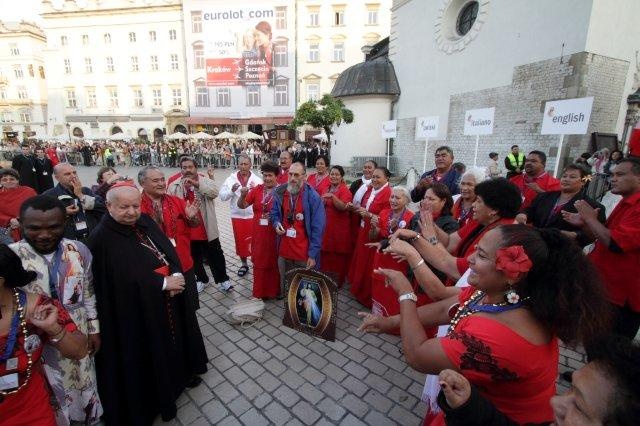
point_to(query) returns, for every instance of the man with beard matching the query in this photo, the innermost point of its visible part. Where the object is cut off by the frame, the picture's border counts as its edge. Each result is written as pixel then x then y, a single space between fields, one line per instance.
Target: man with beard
pixel 175 218
pixel 44 170
pixel 535 180
pixel 64 274
pixel 205 241
pixel 84 208
pixel 151 342
pixel 285 162
pixel 298 217
pixel 443 173
pixel 25 164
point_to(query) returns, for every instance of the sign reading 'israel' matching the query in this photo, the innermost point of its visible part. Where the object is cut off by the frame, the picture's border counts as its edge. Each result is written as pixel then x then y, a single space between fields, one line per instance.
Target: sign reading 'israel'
pixel 389 129
pixel 427 127
pixel 479 121
pixel 568 117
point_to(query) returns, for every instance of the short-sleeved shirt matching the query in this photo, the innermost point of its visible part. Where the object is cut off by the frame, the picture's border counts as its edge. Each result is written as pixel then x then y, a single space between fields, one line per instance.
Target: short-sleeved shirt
pixel 619 264
pixel 544 181
pixel 298 247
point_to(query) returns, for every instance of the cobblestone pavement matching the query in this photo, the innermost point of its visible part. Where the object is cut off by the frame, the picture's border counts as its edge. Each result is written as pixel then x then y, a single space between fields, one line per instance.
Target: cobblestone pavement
pixel 271 374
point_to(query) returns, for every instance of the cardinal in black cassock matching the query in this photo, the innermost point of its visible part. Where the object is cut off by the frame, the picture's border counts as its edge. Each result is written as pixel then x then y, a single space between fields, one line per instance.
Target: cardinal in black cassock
pixel 151 342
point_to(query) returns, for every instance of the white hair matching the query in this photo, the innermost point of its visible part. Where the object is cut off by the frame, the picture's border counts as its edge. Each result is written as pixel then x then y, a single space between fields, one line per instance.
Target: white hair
pixel 478 173
pixel 404 190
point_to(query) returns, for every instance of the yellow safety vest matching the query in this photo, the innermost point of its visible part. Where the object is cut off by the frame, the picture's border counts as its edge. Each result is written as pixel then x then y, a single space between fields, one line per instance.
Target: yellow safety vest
pixel 516 163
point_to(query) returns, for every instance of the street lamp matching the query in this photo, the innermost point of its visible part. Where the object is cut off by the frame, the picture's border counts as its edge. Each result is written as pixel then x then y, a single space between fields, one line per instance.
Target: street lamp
pixel 68 130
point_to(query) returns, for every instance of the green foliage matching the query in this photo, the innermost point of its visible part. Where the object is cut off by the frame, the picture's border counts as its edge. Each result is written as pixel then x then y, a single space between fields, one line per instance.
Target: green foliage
pixel 322 114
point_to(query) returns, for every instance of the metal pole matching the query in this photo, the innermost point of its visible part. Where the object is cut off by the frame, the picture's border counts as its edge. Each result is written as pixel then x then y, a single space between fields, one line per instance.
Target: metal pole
pixel 388 152
pixel 424 160
pixel 557 166
pixel 475 156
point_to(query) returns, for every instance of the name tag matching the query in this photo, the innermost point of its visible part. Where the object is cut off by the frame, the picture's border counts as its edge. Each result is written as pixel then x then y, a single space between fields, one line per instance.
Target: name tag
pixel 264 222
pixel 291 233
pixel 361 223
pixel 44 173
pixel 12 364
pixel 9 381
pixel 81 226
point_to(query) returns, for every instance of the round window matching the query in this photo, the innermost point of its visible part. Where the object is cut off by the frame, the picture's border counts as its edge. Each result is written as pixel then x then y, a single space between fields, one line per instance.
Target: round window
pixel 467 18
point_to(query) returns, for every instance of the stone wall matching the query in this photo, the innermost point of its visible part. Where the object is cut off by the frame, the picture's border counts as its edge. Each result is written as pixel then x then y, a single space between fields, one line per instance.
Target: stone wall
pixel 519 109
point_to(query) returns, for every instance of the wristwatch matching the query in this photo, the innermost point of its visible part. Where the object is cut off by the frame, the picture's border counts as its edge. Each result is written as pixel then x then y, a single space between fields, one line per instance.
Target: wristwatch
pixel 408 296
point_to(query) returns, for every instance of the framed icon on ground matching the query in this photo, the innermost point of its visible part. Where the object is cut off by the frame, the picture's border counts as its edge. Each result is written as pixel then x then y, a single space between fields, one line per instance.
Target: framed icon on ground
pixel 311 303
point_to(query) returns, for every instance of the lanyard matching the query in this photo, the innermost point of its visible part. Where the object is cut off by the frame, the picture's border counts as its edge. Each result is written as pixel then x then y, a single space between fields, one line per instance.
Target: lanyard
pixel 54 268
pixel 159 254
pixel 266 198
pixel 12 338
pixel 293 201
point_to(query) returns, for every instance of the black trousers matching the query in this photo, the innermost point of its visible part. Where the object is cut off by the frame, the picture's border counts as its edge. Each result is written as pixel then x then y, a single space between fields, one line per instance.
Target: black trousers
pixel 626 322
pixel 212 250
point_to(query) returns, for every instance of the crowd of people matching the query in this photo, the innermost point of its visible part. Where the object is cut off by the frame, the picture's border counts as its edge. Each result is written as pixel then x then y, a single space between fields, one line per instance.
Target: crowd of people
pixel 481 277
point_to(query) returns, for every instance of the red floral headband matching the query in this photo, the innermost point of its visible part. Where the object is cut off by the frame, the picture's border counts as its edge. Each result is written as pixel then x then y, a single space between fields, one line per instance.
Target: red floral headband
pixel 513 261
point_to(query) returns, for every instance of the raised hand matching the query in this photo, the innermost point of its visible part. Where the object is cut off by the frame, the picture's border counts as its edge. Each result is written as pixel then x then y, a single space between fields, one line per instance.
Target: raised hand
pixel 395 279
pixel 456 388
pixel 191 210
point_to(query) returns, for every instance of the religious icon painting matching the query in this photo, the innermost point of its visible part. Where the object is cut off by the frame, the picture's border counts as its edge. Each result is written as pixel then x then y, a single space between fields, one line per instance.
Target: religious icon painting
pixel 311 304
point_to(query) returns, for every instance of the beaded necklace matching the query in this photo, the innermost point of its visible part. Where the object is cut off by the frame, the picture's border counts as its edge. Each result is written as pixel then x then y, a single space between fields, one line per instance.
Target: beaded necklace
pixel 472 305
pixel 21 307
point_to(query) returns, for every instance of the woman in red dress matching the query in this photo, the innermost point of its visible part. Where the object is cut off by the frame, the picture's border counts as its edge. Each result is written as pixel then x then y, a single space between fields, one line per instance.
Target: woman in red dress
pixel 374 201
pixel 336 242
pixel 27 322
pixel 12 195
pixel 529 288
pixel 462 209
pixel 264 256
pixel 320 179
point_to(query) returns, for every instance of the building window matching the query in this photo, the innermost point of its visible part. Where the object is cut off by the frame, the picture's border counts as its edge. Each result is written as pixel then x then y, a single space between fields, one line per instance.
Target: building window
pixel 467 18
pixel 156 94
pixel 22 92
pixel 30 68
pixel 137 97
pixel 313 91
pixel 314 52
pixel 338 52
pixel 314 17
pixel 110 67
pixel 253 95
pixel 152 36
pixel 281 18
pixel 107 38
pixel 338 17
pixel 174 62
pixel 198 55
pixel 372 15
pixel 85 39
pixel 13 48
pixel 223 97
pixel 281 92
pixel 202 96
pixel 92 101
pixel 3 95
pixel 196 21
pixel 63 40
pixel 41 71
pixel 134 64
pixel 154 63
pixel 132 37
pixel 71 98
pixel 113 96
pixel 280 53
pixel 17 71
pixel 88 67
pixel 6 117
pixel 67 66
pixel 25 117
pixel 176 97
pixel 172 34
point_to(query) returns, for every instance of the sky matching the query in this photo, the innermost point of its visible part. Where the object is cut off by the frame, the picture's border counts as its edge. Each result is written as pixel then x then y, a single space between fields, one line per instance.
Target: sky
pixel 13 10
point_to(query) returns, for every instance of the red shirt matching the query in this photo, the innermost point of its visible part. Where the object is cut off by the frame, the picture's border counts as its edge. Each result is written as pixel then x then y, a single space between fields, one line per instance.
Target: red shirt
pixel 620 268
pixel 283 176
pixel 545 181
pixel 290 247
pixel 320 186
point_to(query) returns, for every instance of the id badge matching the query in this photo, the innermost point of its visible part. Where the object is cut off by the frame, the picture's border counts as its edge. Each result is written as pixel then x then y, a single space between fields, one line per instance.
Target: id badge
pixel 33 170
pixel 81 226
pixel 361 223
pixel 9 381
pixel 264 222
pixel 72 290
pixel 45 174
pixel 12 364
pixel 173 241
pixel 291 233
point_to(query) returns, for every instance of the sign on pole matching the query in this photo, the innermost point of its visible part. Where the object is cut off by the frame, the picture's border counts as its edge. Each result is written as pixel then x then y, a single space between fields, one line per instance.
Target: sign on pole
pixel 478 122
pixel 389 130
pixel 567 117
pixel 427 127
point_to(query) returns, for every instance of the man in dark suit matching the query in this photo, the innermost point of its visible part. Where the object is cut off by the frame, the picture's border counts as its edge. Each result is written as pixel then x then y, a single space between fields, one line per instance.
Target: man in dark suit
pixel 44 171
pixel 25 164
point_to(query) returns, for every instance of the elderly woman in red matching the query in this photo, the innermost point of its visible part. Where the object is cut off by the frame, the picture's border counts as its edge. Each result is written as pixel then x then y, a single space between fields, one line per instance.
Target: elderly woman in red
pixel 27 321
pixel 462 210
pixel 374 201
pixel 266 278
pixel 529 287
pixel 336 242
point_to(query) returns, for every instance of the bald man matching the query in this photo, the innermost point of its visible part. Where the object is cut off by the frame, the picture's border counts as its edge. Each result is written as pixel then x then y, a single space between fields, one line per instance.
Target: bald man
pixel 84 208
pixel 150 334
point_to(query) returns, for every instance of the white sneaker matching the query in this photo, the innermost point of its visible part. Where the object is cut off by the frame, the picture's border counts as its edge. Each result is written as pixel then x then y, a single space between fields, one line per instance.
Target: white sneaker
pixel 226 285
pixel 200 286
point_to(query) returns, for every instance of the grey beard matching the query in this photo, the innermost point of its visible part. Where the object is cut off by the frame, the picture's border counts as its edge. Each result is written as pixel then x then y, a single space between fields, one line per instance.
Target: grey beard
pixel 293 189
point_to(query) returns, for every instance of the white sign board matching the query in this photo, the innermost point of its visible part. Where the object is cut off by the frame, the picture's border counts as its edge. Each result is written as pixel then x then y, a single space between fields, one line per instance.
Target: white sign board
pixel 427 127
pixel 479 121
pixel 389 129
pixel 568 117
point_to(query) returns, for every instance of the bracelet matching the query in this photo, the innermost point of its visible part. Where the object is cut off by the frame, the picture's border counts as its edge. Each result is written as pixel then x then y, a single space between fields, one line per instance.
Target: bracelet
pixel 413 268
pixel 54 340
pixel 414 239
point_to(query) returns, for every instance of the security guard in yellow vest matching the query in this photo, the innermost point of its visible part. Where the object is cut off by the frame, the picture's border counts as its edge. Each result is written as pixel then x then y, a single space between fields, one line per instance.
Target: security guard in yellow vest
pixel 514 162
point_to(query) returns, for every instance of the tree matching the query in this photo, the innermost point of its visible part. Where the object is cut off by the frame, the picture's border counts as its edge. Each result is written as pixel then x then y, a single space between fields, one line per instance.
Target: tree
pixel 322 114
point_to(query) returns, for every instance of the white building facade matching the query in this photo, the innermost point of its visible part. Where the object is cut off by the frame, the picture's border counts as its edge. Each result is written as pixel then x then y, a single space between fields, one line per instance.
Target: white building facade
pixel 451 56
pixel 23 94
pixel 115 66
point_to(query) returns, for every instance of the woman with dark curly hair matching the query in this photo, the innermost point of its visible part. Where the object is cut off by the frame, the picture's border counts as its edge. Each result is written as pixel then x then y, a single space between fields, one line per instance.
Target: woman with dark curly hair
pixel 529 288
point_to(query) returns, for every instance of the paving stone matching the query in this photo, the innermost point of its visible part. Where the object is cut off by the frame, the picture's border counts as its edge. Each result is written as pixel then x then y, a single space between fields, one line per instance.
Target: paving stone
pixel 294 422
pixel 245 344
pixel 331 409
pixel 295 363
pixel 337 374
pixel 354 355
pixel 376 418
pixel 226 392
pixel 403 398
pixel 253 418
pixel 292 379
pixel 377 383
pixel 351 420
pixel 404 416
pixel 200 395
pixel 275 367
pixel 260 355
pixel 200 421
pixel 306 413
pixel 276 413
pixel 262 400
pixel 268 381
pixel 286 396
pixel 235 375
pixel 395 363
pixel 188 413
pixel 379 401
pixel 222 363
pixel 214 411
pixel 355 405
pixel 398 380
pixel 239 357
pixel 253 369
pixel 266 342
pixel 284 340
pixel 250 389
pixel 356 386
pixel 229 421
pixel 375 366
pixel 312 375
pixel 310 393
pixel 354 342
pixel 239 405
pixel 356 370
pixel 333 389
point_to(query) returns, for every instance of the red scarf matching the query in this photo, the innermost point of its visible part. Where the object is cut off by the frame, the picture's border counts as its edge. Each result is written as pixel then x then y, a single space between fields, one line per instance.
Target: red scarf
pixel 10 202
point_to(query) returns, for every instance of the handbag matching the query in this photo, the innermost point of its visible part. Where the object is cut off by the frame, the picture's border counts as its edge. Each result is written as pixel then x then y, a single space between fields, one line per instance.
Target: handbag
pixel 245 312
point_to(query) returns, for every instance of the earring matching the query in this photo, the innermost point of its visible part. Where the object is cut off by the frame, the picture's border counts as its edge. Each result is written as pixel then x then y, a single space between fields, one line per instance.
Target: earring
pixel 511 296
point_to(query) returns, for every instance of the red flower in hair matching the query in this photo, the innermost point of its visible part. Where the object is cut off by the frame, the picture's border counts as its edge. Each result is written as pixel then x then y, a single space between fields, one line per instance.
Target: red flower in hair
pixel 513 261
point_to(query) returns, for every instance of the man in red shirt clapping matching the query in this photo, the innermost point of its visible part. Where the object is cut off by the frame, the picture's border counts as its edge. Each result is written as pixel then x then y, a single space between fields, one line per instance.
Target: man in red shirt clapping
pixel 535 180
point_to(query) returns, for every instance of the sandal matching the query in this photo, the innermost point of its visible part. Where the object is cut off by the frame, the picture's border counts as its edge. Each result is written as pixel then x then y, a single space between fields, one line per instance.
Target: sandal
pixel 243 270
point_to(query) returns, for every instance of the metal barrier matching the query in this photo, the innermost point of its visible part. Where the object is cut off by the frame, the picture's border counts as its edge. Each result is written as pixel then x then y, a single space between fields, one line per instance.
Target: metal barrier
pixel 598 186
pixel 358 162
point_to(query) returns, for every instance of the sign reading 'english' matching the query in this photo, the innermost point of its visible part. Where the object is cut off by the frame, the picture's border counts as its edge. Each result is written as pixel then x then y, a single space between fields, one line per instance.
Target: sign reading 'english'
pixel 479 121
pixel 567 117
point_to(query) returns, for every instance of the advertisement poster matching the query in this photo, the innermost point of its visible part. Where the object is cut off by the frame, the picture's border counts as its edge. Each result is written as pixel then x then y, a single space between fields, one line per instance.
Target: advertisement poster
pixel 568 117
